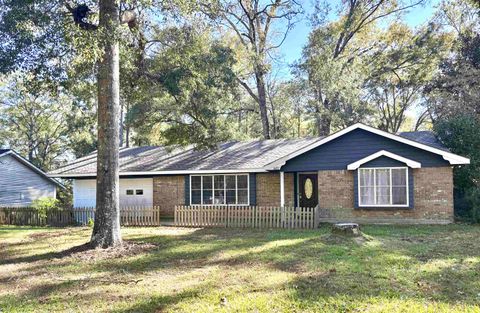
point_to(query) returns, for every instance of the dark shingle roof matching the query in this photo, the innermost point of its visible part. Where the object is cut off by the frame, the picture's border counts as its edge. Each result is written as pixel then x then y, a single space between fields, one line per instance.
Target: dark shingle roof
pixel 245 156
pixel 425 137
pixel 229 156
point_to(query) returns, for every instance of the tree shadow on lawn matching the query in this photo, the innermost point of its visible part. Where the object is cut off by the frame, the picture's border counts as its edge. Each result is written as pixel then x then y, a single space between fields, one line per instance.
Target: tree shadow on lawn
pixel 386 267
pixel 396 271
pixel 197 249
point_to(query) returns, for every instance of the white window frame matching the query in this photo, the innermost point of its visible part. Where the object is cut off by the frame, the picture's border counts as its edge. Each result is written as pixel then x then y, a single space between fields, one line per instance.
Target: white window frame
pixel 224 188
pixel 375 188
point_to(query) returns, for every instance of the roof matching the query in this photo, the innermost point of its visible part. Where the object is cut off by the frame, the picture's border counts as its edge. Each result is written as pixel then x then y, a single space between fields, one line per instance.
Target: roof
pixel 4 152
pixel 425 137
pixel 234 156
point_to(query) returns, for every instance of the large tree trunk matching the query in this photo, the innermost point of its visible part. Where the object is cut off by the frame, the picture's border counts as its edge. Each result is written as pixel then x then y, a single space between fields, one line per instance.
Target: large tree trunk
pixel 262 103
pixel 323 118
pixel 106 230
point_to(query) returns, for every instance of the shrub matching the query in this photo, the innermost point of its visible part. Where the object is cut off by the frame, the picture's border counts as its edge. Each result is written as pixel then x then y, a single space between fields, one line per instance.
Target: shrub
pixel 473 197
pixel 44 204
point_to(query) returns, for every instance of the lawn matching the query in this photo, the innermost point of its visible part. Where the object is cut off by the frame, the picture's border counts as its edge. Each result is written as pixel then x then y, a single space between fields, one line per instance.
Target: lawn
pixel 167 269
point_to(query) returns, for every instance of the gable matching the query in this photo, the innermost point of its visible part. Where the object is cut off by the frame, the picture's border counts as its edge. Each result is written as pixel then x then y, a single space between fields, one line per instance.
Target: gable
pixel 353 146
pixel 15 173
pixel 20 184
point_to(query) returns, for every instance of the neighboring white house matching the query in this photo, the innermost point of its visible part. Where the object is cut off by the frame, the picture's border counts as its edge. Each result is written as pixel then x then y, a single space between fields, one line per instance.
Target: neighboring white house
pixel 21 182
pixel 133 192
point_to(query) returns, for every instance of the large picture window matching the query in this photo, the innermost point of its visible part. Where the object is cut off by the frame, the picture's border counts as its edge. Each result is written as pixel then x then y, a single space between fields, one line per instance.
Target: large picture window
pixel 383 187
pixel 219 189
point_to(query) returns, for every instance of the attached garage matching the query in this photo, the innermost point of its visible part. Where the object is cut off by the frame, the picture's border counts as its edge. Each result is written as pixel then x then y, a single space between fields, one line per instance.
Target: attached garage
pixel 133 192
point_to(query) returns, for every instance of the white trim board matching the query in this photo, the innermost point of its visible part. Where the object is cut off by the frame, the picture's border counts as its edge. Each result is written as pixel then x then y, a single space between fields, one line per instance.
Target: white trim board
pixel 454 159
pixel 410 163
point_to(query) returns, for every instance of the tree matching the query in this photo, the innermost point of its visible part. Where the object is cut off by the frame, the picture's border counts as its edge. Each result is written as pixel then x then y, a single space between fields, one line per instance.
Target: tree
pixel 402 63
pixel 460 134
pixel 106 230
pixel 332 59
pixel 35 123
pixel 254 25
pixel 455 89
pixel 189 90
pixel 38 38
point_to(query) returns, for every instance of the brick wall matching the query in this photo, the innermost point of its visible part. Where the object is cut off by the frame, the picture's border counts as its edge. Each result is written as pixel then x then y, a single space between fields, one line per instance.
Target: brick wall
pixel 268 189
pixel 433 198
pixel 168 191
pixel 335 189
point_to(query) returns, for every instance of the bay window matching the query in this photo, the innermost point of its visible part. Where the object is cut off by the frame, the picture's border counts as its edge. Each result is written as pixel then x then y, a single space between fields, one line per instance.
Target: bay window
pixel 383 187
pixel 219 189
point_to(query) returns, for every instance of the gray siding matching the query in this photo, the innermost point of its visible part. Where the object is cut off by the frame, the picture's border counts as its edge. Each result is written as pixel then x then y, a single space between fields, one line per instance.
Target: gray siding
pixel 337 154
pixel 20 185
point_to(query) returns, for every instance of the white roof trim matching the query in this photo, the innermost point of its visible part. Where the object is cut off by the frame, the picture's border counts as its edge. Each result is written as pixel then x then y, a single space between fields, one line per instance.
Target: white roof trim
pixel 177 172
pixel 31 166
pixel 454 159
pixel 410 163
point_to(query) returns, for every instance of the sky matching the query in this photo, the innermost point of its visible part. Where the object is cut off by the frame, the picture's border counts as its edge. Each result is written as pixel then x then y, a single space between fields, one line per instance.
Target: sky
pixel 297 38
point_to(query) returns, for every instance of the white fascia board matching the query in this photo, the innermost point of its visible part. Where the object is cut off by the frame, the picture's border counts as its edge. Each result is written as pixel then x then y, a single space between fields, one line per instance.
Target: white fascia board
pixel 408 162
pixel 454 159
pixel 179 172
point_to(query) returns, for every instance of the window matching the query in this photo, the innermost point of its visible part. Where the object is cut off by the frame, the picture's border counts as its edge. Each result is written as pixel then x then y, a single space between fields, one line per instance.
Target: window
pixel 383 186
pixel 219 189
pixel 129 192
pixel 139 192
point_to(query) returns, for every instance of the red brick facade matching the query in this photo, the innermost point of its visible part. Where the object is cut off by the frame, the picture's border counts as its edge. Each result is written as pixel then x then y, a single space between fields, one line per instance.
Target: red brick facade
pixel 268 189
pixel 433 198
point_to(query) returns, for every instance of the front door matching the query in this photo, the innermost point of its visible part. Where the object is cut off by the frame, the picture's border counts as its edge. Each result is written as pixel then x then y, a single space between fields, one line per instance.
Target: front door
pixel 308 190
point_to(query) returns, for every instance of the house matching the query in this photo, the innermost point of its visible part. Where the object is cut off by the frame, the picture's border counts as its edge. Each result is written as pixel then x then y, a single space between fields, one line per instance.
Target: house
pixel 358 174
pixel 21 182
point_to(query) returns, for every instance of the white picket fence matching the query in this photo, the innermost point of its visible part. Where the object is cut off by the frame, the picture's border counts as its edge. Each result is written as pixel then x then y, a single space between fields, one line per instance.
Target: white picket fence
pixel 246 217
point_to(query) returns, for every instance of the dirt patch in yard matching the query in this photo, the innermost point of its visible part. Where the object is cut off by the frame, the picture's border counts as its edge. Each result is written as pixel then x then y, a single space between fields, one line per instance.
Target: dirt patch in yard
pixel 87 253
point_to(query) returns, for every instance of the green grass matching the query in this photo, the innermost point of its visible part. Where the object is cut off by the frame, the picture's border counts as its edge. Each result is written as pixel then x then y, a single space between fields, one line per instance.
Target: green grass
pixel 396 269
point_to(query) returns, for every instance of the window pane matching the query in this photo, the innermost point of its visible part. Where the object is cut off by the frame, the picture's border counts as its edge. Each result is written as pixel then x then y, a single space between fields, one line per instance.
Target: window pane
pixel 383 177
pixel 219 182
pixel 207 182
pixel 196 182
pixel 219 196
pixel 243 197
pixel 207 196
pixel 399 195
pixel 383 195
pixel 231 197
pixel 367 196
pixel 196 197
pixel 366 177
pixel 399 177
pixel 139 192
pixel 129 192
pixel 242 181
pixel 230 180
